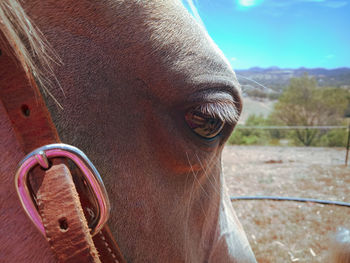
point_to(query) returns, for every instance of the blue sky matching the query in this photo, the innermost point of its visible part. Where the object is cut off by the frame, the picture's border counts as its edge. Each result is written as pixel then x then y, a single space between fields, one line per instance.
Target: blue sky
pixel 283 33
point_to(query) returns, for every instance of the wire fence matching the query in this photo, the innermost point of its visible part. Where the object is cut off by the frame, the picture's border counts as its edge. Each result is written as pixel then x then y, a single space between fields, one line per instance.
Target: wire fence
pixel 291 127
pixel 291 199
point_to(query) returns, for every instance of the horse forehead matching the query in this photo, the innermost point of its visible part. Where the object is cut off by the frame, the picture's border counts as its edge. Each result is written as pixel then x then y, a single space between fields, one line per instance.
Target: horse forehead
pixel 155 41
pixel 187 59
pixel 167 49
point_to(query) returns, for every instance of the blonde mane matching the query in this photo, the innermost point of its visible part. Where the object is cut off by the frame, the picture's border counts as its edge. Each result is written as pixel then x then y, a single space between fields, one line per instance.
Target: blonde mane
pixel 24 40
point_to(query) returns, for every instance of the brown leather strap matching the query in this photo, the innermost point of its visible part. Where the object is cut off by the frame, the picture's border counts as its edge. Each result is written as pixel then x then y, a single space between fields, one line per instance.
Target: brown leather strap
pixel 107 246
pixel 57 198
pixel 60 209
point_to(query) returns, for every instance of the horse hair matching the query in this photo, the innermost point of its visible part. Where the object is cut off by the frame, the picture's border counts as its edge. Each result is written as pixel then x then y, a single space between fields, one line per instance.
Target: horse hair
pixel 27 43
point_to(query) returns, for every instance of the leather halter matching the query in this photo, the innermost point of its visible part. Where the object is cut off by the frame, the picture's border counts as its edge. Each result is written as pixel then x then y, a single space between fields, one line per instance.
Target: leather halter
pixel 60 200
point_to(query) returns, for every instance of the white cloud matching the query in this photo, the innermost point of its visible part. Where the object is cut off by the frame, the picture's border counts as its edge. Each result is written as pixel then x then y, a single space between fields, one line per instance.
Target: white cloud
pixel 248 3
pixel 233 59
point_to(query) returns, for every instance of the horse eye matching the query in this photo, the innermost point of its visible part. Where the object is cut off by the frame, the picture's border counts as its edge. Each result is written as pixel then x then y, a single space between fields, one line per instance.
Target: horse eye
pixel 204 125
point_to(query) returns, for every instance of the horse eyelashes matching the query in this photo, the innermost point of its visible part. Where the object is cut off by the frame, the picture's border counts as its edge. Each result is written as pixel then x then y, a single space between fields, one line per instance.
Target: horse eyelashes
pixel 204 125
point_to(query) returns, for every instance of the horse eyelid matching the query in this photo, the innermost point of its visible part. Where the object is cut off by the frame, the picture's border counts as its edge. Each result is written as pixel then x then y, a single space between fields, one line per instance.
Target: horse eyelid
pixel 226 112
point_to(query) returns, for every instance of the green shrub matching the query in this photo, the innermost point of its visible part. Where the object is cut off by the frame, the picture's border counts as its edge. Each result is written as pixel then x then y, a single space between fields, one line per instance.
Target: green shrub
pixel 334 138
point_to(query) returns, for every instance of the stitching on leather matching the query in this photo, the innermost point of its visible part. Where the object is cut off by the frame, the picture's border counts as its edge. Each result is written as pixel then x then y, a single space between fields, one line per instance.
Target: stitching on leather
pixel 108 248
pixel 44 221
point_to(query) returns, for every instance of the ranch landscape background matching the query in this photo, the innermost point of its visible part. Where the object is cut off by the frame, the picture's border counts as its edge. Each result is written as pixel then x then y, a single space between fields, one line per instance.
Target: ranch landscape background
pixel 309 42
pixel 288 231
pixel 256 163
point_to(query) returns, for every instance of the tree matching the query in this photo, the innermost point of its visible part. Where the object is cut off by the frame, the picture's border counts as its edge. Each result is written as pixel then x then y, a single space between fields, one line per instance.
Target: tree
pixel 304 103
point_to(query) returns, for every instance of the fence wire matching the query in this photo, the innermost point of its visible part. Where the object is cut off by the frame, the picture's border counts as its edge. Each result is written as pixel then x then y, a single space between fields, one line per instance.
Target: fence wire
pixel 291 127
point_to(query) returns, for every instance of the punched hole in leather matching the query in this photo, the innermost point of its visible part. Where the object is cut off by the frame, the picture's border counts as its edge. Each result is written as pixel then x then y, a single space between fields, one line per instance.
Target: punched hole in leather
pixel 63 224
pixel 25 110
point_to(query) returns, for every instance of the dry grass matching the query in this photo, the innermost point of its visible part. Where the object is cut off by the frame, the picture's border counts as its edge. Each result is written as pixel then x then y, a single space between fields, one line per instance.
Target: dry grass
pixel 289 231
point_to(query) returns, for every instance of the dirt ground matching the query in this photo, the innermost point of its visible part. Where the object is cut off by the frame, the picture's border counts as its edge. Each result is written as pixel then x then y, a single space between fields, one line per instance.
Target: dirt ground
pixel 289 231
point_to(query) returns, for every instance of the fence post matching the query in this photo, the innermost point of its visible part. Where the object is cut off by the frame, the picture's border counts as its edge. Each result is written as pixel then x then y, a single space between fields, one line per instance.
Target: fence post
pixel 347 116
pixel 347 147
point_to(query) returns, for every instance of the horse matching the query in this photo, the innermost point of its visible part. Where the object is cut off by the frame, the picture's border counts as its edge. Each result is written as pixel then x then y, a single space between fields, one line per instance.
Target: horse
pixel 141 88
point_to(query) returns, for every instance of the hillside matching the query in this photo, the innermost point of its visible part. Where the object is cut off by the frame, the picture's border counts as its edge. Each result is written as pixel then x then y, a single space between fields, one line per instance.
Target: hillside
pixel 255 106
pixel 274 79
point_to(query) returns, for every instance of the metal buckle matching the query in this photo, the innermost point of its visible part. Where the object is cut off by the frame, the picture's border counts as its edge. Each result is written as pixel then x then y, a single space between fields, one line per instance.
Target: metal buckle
pixel 41 156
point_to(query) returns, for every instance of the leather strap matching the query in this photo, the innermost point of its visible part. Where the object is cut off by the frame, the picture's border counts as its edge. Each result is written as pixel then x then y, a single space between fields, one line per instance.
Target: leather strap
pixel 107 247
pixel 65 225
pixel 58 202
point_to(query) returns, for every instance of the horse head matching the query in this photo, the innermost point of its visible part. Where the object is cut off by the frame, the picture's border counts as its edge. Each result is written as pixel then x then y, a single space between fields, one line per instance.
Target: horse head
pixel 148 96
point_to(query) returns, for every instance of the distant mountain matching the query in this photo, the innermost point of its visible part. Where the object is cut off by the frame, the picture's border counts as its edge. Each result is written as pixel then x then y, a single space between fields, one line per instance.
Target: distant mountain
pixel 275 79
